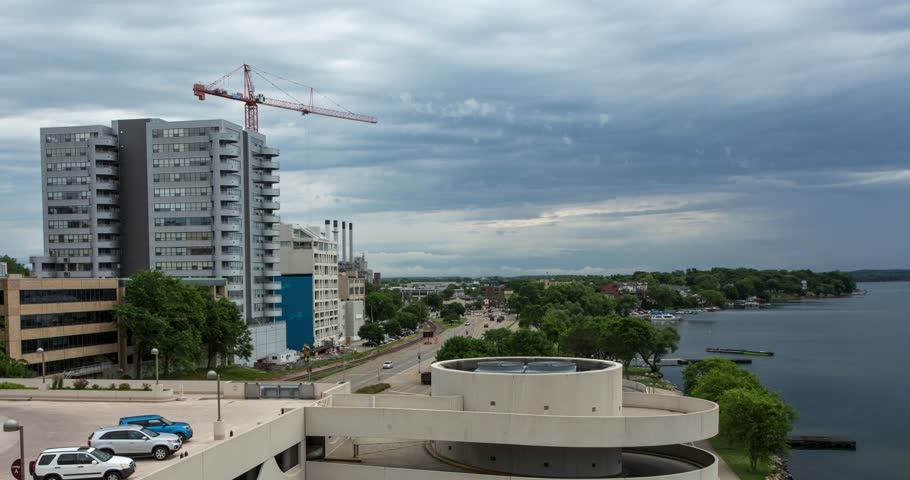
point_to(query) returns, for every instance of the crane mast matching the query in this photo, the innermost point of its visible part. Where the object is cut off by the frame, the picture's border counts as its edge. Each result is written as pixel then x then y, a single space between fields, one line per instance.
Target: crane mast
pixel 252 100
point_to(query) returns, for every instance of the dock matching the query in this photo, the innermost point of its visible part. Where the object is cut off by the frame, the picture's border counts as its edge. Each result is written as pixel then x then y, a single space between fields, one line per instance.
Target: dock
pixel 738 361
pixel 740 351
pixel 820 442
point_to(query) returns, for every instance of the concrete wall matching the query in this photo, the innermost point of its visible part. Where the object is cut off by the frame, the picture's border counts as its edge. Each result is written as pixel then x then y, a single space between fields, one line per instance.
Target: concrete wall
pixel 89 395
pixel 268 339
pixel 398 401
pixel 535 461
pixel 588 393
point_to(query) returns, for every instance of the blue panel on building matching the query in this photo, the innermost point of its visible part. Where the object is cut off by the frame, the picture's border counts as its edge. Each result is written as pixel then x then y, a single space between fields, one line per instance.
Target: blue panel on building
pixel 297 309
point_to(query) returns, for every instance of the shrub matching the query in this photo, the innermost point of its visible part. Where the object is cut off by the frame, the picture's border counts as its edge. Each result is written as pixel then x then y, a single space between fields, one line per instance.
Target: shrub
pixel 146 387
pixel 80 384
pixel 124 386
pixel 112 387
pixel 375 388
pixel 95 386
pixel 57 382
pixel 12 386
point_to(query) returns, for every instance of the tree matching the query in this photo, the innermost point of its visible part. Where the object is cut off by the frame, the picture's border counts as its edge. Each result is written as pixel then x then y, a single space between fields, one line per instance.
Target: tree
pixel 13 266
pixel 626 337
pixel 527 343
pixel 694 371
pixel 463 347
pixel 11 368
pixel 497 339
pixel 531 316
pixel 372 331
pixel 712 385
pixel 625 304
pixel 434 301
pixel 392 327
pixel 555 323
pixel 714 298
pixel 406 319
pixel 451 312
pixel 478 304
pixel 381 305
pixel 419 309
pixel 224 332
pixel 586 339
pixel 449 291
pixel 663 341
pixel 758 420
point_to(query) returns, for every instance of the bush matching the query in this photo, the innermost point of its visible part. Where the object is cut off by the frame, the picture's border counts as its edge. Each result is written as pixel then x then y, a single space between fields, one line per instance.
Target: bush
pixel 375 388
pixel 112 387
pixel 146 387
pixel 57 382
pixel 95 386
pixel 80 384
pixel 123 386
pixel 12 386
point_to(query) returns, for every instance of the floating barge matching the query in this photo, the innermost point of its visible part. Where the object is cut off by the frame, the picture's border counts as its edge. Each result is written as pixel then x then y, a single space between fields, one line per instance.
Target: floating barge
pixel 819 442
pixel 738 361
pixel 738 351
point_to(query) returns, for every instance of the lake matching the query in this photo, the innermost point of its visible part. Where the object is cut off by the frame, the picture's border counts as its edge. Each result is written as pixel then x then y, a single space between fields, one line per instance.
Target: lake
pixel 841 362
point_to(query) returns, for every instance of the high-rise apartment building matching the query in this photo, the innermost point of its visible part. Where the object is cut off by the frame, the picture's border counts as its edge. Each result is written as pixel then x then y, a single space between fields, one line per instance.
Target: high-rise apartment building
pixel 190 199
pixel 309 287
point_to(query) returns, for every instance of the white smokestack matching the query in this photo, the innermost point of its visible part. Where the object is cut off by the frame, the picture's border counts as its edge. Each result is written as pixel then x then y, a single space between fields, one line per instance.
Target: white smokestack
pixel 350 242
pixel 335 233
pixel 344 252
pixel 328 226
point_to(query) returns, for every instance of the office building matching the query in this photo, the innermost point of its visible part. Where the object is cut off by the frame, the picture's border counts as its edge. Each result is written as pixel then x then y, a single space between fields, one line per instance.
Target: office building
pixel 191 199
pixel 351 296
pixel 309 287
pixel 72 320
pixel 486 419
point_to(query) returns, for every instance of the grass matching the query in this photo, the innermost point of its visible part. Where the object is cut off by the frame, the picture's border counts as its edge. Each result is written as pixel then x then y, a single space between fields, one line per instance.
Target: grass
pixel 738 459
pixel 374 388
pixel 15 386
pixel 233 372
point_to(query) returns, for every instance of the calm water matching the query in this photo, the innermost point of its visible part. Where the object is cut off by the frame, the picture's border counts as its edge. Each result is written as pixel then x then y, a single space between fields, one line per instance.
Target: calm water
pixel 842 363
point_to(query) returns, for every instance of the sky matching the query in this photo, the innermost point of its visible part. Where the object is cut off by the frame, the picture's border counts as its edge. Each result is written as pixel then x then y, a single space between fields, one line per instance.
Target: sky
pixel 514 138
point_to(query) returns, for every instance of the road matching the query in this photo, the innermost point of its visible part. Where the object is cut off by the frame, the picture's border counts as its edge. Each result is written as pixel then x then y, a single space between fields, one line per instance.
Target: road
pixel 404 376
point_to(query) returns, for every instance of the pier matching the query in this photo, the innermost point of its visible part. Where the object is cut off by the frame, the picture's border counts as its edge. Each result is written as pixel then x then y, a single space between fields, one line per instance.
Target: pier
pixel 820 442
pixel 739 351
pixel 738 361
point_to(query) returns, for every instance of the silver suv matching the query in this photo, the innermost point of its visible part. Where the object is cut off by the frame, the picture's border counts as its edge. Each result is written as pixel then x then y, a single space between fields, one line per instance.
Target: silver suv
pixel 80 462
pixel 134 440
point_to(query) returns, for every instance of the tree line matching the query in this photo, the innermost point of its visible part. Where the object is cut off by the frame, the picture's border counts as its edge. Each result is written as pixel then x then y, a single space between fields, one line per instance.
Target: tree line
pixel 186 323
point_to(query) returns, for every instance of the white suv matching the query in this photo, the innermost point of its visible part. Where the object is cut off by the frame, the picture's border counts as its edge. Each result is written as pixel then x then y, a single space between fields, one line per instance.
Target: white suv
pixel 80 462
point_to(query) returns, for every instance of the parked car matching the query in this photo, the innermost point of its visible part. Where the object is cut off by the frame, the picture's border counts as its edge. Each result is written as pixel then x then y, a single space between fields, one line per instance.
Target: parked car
pixel 157 423
pixel 370 344
pixel 486 325
pixel 134 440
pixel 467 324
pixel 80 462
pixel 387 365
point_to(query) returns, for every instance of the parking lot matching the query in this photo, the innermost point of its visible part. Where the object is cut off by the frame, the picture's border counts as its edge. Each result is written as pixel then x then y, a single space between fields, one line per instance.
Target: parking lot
pixel 68 424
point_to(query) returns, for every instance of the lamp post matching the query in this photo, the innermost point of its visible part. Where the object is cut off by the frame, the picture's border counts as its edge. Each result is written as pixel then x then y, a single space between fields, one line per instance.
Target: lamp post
pixel 219 425
pixel 43 372
pixel 155 354
pixel 12 426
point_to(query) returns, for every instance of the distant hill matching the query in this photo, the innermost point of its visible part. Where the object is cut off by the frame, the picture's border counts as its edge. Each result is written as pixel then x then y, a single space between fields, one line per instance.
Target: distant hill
pixel 894 275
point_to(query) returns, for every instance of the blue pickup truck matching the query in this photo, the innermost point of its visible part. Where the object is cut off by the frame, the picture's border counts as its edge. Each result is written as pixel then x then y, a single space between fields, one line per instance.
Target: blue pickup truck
pixel 157 423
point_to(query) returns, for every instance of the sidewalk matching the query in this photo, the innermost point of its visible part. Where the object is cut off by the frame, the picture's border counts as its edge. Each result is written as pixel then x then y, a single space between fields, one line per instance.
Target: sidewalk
pixel 724 472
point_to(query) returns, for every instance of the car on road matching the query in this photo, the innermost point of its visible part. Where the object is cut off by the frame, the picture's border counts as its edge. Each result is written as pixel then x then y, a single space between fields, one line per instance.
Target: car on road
pixel 486 325
pixel 134 440
pixel 157 423
pixel 467 324
pixel 80 462
pixel 370 344
pixel 387 365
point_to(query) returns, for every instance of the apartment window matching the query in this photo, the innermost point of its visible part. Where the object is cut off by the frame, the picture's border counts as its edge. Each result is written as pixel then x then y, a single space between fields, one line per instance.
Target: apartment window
pixel 181 177
pixel 182 132
pixel 58 224
pixel 70 252
pixel 69 341
pixel 68 210
pixel 69 137
pixel 182 236
pixel 66 166
pixel 183 192
pixel 65 152
pixel 183 207
pixel 67 180
pixel 34 297
pixel 70 238
pixel 80 195
pixel 181 251
pixel 46 320
pixel 182 221
pixel 180 162
pixel 200 265
pixel 180 147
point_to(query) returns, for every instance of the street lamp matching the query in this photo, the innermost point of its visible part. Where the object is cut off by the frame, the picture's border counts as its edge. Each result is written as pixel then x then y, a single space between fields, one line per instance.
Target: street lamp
pixel 41 351
pixel 12 426
pixel 155 353
pixel 219 425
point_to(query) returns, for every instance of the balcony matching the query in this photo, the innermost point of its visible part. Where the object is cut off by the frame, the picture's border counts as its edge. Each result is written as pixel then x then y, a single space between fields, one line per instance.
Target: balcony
pixel 108 229
pixel 106 185
pixel 230 242
pixel 230 197
pixel 271 259
pixel 271 246
pixel 270 232
pixel 271 219
pixel 269 151
pixel 273 192
pixel 271 273
pixel 229 227
pixel 230 180
pixel 272 299
pixel 107 170
pixel 107 199
pixel 229 212
pixel 230 257
pixel 228 136
pixel 105 140
pixel 235 287
pixel 272 286
pixel 104 155
pixel 270 164
pixel 230 165
pixel 231 272
pixel 272 312
pixel 230 151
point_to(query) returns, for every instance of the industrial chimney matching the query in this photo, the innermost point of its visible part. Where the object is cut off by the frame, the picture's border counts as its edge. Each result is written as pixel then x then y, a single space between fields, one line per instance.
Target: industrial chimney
pixel 343 252
pixel 335 234
pixel 351 242
pixel 328 226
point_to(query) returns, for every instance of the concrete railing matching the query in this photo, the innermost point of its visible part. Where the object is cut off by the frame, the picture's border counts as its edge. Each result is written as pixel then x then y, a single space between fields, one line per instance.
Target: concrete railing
pixel 422 402
pixel 637 386
pixel 89 395
pixel 204 387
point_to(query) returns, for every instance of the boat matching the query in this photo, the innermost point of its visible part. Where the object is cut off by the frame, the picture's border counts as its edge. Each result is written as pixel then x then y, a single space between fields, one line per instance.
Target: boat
pixel 664 317
pixel 739 351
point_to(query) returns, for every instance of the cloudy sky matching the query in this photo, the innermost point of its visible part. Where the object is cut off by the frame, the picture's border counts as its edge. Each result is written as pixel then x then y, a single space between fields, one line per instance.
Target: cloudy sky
pixel 514 137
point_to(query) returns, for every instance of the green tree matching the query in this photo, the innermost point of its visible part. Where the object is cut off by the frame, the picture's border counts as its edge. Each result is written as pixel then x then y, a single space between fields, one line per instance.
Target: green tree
pixel 712 385
pixel 419 309
pixel 714 298
pixel 434 301
pixel 13 266
pixel 11 368
pixel 381 305
pixel 586 339
pixel 372 331
pixel 625 304
pixel 555 323
pixel 224 332
pixel 449 291
pixel 497 338
pixel 626 337
pixel 478 304
pixel 392 327
pixel 464 347
pixel 664 341
pixel 407 319
pixel 531 316
pixel 527 343
pixel 694 371
pixel 758 420
pixel 452 311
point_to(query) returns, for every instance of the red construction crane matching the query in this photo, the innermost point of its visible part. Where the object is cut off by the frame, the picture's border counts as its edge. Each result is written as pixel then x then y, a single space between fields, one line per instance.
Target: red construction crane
pixel 253 100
